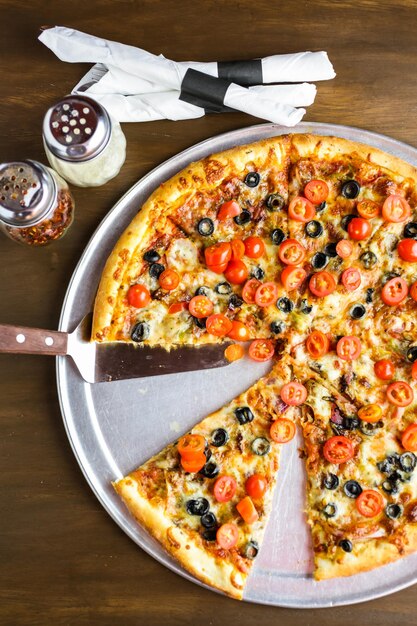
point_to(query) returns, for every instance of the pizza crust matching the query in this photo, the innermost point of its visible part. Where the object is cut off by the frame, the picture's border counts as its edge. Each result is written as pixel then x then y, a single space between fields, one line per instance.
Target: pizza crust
pixel 218 573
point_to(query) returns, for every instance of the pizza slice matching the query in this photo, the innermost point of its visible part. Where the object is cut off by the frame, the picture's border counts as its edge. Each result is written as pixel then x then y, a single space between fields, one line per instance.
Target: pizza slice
pixel 207 497
pixel 361 482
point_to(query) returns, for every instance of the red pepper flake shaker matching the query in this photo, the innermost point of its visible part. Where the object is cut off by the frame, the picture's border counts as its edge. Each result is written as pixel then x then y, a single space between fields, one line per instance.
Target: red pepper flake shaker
pixel 36 206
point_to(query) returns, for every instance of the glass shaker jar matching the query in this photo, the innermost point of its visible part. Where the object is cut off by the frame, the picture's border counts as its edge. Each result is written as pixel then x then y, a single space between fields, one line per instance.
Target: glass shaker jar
pixel 82 142
pixel 36 206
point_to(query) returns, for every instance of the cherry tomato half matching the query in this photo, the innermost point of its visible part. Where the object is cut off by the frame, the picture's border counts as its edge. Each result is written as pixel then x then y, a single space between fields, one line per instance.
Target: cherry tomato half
pixel 317 344
pixel 301 209
pixel 344 248
pixel 351 278
pixel 359 229
pixel 370 413
pixel 282 430
pixel 169 280
pixel 293 393
pixel 189 446
pixel 177 307
pixel 261 350
pixel 249 290
pixel 234 352
pixel 292 277
pixel 414 371
pixel 138 296
pixel 228 209
pixel 338 449
pixel 218 325
pixel 224 488
pixel 218 269
pixel 200 306
pixel 368 209
pixel 394 291
pixel 195 464
pixel 218 254
pixel 254 247
pixel 291 252
pixel 369 503
pixel 413 291
pixel 395 209
pixel 348 348
pixel 238 249
pixel 239 331
pixel 322 284
pixel 407 249
pixel 236 272
pixel 409 438
pixel 247 510
pixel 384 369
pixel 400 393
pixel 266 294
pixel 256 486
pixel 316 191
pixel 227 536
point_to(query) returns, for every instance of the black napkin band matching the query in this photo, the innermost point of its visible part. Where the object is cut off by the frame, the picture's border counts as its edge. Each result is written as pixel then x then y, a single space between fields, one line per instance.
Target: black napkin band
pixel 245 73
pixel 202 90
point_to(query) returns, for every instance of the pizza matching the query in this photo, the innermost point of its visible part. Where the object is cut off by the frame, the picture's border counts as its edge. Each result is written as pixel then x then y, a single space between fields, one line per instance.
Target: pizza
pixel 306 246
pixel 208 496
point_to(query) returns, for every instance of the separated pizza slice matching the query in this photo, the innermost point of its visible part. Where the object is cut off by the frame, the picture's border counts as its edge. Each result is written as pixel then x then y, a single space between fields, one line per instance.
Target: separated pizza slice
pixel 361 482
pixel 207 497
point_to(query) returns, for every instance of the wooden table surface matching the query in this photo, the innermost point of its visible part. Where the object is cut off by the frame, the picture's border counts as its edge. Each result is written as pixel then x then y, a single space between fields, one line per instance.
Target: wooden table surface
pixel 63 560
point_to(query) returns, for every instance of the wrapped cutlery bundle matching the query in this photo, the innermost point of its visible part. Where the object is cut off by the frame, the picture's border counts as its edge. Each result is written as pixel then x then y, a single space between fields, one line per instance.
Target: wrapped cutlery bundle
pixel 136 86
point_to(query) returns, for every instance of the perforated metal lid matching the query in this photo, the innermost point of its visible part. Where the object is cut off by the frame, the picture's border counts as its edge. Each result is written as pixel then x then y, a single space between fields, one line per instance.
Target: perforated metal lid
pixel 76 128
pixel 28 192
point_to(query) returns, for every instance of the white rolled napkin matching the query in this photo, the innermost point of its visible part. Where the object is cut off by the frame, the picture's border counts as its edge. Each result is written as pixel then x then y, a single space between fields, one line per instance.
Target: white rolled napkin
pixel 132 87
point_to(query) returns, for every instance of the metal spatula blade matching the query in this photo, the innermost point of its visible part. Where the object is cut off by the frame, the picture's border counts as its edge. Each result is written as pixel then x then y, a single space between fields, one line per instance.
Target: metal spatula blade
pixel 113 361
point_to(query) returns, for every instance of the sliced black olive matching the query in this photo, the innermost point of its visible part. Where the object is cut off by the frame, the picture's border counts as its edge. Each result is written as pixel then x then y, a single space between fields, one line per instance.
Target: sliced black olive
pixel 208 520
pixel 140 331
pixel 350 422
pixel 258 273
pixel 346 545
pixel 412 354
pixel 243 218
pixel 319 260
pixel 223 289
pixel 210 534
pixel 369 429
pixel 252 179
pixel 369 295
pixel 277 236
pixel 274 202
pixel 313 229
pixel 408 461
pixel 277 327
pixel 330 481
pixel 330 510
pixel 368 259
pixel 410 230
pixel 244 414
pixel 261 446
pixel 321 206
pixel 330 250
pixel 351 189
pixel 251 549
pixel 197 506
pixel 357 311
pixel 393 511
pixel 219 437
pixel 151 256
pixel 205 227
pixel 285 305
pixel 235 301
pixel 156 269
pixel 210 470
pixel 390 486
pixel 305 307
pixel 202 291
pixel 200 322
pixel 352 489
pixel 387 466
pixel 346 220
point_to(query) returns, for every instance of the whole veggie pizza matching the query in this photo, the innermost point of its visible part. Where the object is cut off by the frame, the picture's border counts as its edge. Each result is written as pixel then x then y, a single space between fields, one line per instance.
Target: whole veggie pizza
pixel 306 246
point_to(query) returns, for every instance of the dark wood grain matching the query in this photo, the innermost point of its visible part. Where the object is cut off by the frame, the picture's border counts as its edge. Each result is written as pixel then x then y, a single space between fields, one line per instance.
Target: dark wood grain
pixel 63 560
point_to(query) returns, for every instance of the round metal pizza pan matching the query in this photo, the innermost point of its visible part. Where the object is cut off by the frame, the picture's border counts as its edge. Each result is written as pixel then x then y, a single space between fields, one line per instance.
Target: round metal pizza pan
pixel 114 427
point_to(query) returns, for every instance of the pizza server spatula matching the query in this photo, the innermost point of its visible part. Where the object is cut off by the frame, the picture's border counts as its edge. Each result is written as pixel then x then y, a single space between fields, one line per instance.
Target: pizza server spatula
pixel 113 361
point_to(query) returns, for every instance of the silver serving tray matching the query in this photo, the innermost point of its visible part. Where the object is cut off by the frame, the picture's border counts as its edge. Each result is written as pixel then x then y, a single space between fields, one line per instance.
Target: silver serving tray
pixel 114 427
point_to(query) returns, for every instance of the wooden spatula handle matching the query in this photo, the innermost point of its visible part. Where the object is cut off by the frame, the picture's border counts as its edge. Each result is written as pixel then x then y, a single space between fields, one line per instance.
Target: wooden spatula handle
pixel 22 340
